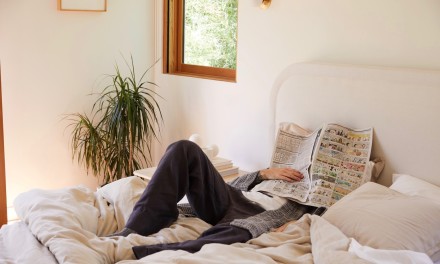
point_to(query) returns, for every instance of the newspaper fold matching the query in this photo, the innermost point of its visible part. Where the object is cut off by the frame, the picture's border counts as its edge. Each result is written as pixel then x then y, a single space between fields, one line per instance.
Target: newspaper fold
pixel 333 160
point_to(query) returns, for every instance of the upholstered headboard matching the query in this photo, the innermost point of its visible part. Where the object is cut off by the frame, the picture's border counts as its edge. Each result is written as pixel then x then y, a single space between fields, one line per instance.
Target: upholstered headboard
pixel 402 105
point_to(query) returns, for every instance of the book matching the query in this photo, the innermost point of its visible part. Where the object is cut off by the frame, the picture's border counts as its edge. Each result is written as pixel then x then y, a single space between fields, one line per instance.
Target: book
pixel 223 167
pixel 333 160
pixel 218 161
pixel 229 171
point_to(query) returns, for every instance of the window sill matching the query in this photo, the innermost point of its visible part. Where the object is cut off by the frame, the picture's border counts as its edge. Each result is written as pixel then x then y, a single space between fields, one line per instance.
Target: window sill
pixel 204 76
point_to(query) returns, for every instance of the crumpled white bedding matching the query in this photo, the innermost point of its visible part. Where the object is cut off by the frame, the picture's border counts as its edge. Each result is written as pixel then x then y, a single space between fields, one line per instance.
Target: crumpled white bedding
pixel 72 222
pixel 18 245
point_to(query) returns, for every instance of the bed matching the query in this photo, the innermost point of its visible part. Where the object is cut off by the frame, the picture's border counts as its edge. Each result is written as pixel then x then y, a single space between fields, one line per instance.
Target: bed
pixel 373 224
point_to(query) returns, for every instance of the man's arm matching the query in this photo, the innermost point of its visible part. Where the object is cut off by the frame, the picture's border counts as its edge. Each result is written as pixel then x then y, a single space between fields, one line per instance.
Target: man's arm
pixel 286 174
pixel 248 181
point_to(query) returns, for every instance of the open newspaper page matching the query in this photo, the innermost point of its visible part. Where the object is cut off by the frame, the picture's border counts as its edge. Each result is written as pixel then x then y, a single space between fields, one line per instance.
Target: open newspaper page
pixel 294 151
pixel 339 165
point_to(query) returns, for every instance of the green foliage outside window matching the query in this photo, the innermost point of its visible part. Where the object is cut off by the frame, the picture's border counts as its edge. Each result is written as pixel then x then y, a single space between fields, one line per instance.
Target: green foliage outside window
pixel 210 37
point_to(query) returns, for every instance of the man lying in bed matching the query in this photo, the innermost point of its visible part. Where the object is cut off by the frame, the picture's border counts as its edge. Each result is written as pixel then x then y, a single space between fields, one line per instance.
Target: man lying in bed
pixel 235 212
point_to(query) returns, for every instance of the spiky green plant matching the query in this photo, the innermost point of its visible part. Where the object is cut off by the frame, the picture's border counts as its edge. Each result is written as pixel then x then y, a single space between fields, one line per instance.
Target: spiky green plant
pixel 126 117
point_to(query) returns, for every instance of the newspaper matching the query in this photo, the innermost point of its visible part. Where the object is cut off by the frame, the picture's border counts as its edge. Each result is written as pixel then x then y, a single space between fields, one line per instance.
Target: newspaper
pixel 333 160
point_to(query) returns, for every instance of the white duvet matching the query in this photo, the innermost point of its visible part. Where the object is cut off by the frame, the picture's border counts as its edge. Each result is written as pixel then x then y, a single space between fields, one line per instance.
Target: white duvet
pixel 72 224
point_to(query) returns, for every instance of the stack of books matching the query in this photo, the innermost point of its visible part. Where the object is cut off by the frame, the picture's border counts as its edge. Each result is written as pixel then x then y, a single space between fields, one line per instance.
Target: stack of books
pixel 224 166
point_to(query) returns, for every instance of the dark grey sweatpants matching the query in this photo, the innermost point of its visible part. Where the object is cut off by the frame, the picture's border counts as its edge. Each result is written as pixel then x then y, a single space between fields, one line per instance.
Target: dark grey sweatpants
pixel 186 170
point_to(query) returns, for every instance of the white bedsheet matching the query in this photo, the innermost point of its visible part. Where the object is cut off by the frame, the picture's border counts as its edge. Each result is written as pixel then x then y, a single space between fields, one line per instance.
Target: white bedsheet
pixel 71 221
pixel 18 245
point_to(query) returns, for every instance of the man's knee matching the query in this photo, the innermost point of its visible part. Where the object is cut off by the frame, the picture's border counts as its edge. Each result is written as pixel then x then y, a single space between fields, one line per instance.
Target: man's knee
pixel 184 145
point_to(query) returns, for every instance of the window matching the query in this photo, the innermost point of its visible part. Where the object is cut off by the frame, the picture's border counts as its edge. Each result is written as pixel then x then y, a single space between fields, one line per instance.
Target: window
pixel 3 205
pixel 200 38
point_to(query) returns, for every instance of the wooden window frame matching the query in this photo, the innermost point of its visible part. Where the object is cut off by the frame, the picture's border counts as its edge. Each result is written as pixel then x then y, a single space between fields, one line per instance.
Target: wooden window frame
pixel 173 48
pixel 3 204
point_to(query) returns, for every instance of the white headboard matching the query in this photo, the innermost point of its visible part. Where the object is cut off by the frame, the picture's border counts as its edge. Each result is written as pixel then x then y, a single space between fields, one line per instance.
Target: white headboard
pixel 402 105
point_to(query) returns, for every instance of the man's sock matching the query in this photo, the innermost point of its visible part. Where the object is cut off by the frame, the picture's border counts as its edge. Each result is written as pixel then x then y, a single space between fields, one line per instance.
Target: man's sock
pixel 124 232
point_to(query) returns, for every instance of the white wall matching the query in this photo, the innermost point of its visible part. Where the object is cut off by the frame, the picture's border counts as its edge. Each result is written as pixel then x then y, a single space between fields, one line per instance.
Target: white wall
pixel 51 60
pixel 401 33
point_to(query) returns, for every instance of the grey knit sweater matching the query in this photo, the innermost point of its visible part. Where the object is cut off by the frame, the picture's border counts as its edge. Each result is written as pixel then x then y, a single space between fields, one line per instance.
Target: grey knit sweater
pixel 265 221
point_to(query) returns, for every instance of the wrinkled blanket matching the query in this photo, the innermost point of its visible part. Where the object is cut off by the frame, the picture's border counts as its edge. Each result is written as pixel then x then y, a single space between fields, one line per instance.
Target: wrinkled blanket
pixel 72 224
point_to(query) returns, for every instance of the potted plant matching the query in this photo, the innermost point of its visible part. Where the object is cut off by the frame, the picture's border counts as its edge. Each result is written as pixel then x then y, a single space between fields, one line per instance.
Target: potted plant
pixel 116 139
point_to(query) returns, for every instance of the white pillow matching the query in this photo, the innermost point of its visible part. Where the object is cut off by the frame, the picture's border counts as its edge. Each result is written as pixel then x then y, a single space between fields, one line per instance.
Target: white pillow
pixel 123 195
pixel 382 218
pixel 413 186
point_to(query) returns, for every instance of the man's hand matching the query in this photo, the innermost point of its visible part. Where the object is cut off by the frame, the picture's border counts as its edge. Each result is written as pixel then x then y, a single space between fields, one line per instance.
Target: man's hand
pixel 286 174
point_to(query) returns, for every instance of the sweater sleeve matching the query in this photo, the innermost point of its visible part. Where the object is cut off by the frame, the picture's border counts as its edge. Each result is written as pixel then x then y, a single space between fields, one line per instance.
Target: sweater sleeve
pixel 186 210
pixel 246 182
pixel 265 221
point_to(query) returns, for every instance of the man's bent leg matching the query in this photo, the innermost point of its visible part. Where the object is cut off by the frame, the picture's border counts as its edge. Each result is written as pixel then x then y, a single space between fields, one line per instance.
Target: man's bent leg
pixel 221 233
pixel 184 169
